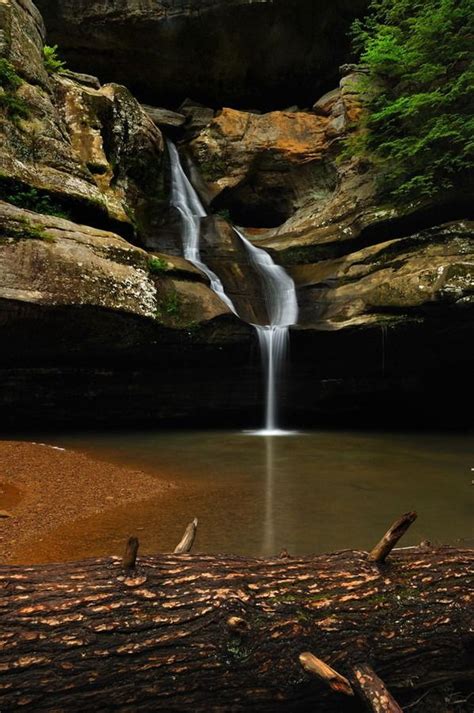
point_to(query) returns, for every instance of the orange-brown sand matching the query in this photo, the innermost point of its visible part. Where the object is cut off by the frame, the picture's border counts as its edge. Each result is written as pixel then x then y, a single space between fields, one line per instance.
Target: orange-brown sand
pixel 43 488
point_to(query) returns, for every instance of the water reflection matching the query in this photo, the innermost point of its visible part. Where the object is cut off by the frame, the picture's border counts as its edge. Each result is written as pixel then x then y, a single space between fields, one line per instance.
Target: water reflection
pixel 269 544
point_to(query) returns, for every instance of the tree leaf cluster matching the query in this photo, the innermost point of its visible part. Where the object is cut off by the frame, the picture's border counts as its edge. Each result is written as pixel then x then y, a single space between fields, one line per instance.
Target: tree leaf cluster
pixel 419 94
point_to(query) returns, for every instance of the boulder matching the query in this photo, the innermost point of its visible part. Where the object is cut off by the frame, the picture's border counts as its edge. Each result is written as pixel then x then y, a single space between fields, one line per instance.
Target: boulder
pixel 164 118
pixel 198 116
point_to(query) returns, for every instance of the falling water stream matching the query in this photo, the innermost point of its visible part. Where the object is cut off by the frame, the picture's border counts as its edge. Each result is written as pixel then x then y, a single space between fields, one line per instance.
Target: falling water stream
pixel 185 199
pixel 279 288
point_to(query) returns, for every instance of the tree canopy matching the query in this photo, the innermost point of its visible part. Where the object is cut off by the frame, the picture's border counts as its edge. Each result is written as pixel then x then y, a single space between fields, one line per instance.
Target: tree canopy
pixel 419 123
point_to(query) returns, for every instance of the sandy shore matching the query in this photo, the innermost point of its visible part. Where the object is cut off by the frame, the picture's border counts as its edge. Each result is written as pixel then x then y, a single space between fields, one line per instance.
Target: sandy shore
pixel 43 488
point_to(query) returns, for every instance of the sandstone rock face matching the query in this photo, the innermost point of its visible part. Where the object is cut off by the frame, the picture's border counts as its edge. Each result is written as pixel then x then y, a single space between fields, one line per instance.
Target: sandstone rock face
pixel 84 320
pixel 408 278
pixel 260 167
pixel 94 149
pixel 54 263
pixel 265 168
pixel 265 54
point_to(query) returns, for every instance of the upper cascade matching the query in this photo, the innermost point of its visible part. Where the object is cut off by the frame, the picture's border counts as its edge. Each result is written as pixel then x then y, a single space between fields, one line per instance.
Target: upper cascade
pixel 246 54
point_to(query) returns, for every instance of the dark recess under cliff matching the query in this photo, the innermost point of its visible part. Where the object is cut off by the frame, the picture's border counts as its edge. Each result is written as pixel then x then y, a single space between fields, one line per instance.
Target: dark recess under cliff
pixel 411 374
pixel 265 55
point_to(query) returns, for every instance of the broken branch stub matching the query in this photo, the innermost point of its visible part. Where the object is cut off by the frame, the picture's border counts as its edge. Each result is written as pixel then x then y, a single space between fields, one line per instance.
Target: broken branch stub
pixel 131 551
pixel 188 538
pixel 332 678
pixel 383 548
pixel 238 625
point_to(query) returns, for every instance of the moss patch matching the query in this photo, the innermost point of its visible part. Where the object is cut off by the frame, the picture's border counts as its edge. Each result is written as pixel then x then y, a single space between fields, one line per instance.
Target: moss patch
pixel 26 230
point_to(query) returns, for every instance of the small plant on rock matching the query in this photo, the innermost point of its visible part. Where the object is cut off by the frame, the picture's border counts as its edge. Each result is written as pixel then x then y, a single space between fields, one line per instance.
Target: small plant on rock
pixel 10 81
pixel 26 230
pixel 169 306
pixel 52 63
pixel 31 199
pixel 172 304
pixel 224 213
pixel 157 265
pixel 13 106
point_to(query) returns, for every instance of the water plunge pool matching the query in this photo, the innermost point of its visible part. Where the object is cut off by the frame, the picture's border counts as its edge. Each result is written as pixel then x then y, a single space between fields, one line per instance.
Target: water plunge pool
pixel 308 492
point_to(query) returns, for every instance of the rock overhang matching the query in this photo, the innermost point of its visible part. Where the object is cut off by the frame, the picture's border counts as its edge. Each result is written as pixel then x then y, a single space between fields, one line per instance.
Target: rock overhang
pixel 241 53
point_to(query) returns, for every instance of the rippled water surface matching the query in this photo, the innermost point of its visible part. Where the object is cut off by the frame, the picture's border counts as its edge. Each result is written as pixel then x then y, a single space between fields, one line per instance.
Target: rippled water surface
pixel 309 492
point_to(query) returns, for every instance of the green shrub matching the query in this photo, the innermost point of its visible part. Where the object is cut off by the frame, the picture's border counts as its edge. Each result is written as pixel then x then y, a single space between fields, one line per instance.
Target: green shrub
pixel 31 199
pixel 157 265
pixel 418 125
pixel 224 213
pixel 52 63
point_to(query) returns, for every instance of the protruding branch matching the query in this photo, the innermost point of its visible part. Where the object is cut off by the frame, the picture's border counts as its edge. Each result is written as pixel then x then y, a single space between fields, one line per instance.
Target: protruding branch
pixel 373 692
pixel 334 680
pixel 131 551
pixel 389 540
pixel 238 625
pixel 188 539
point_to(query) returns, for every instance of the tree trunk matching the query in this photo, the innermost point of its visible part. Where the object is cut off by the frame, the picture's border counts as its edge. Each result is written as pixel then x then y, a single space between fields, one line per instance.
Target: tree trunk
pixel 205 633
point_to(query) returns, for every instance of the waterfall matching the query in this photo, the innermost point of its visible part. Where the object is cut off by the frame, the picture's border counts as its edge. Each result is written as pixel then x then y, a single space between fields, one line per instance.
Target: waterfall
pixel 279 288
pixel 282 309
pixel 185 199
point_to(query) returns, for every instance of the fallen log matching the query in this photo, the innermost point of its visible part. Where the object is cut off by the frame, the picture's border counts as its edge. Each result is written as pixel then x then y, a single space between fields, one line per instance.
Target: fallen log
pixel 205 633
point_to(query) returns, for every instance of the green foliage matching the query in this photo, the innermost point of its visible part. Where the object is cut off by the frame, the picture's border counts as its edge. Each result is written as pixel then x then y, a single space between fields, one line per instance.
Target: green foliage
pixel 419 123
pixel 13 106
pixel 224 213
pixel 51 60
pixel 26 230
pixel 171 304
pixel 31 199
pixel 157 265
pixel 10 81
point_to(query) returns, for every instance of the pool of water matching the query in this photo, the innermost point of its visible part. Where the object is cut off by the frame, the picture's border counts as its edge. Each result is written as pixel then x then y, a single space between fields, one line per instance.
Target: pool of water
pixel 308 492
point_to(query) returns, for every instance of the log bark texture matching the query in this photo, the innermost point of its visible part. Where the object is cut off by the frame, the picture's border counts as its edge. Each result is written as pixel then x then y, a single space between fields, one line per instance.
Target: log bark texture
pixel 91 636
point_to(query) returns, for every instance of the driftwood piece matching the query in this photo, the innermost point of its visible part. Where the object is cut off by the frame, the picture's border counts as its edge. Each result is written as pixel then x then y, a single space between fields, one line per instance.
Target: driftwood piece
pixel 373 691
pixel 78 636
pixel 383 548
